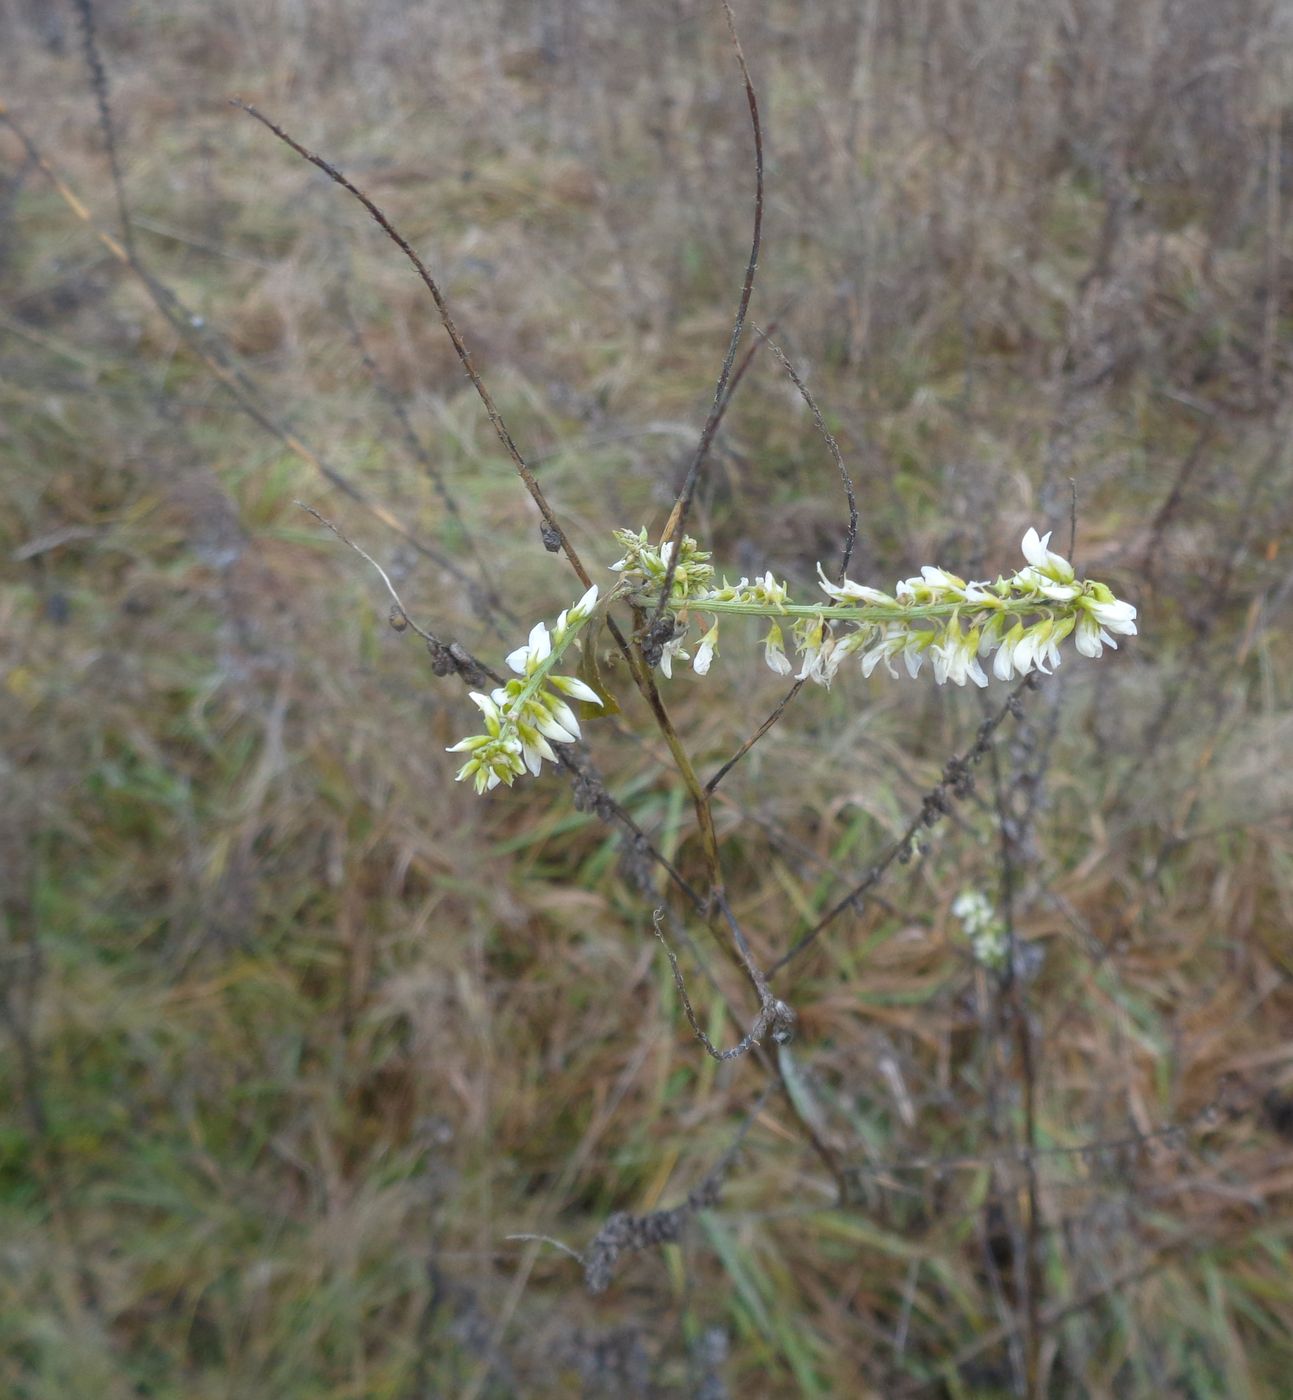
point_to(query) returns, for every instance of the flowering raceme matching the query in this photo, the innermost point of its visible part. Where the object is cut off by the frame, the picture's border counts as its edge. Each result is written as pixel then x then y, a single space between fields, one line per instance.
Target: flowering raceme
pixel 527 715
pixel 1018 622
pixel 985 930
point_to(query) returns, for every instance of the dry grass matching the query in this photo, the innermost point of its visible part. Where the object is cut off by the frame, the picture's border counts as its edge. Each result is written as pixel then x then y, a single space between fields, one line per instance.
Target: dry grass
pixel 299 1033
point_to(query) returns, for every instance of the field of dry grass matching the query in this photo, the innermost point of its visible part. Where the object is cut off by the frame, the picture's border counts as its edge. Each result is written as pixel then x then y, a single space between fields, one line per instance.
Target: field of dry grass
pixel 309 1054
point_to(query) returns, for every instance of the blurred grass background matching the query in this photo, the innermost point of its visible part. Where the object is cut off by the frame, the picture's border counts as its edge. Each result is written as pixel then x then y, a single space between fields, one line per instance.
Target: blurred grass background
pixel 297 1033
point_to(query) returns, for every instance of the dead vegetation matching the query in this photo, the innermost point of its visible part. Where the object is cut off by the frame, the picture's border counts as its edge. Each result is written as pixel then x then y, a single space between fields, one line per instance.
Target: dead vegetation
pixel 300 1037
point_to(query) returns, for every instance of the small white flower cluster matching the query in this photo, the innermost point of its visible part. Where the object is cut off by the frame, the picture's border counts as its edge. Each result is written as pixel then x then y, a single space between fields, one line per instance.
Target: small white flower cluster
pixel 1019 621
pixel 986 932
pixel 763 594
pixel 525 717
pixel 644 569
pixel 645 564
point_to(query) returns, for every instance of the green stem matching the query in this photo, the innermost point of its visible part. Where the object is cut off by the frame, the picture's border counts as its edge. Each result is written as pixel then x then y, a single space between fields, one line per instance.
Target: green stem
pixel 874 612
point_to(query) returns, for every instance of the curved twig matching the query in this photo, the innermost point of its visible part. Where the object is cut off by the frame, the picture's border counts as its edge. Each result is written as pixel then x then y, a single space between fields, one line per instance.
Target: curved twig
pixel 442 306
pixel 677 523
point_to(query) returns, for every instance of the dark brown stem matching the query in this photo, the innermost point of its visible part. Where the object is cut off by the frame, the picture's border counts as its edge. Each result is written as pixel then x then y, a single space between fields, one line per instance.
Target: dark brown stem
pixel 217 361
pixel 755 737
pixel 955 782
pixel 833 447
pixel 459 345
pixel 677 524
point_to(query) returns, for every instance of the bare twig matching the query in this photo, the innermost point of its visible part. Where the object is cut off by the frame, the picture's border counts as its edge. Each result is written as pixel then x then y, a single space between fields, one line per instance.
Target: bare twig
pixel 1012 993
pixel 191 329
pixel 850 542
pixel 754 738
pixel 99 82
pixel 442 306
pixel 851 533
pixel 445 656
pixel 677 524
pixel 547 1239
pixel 493 600
pixel 1073 514
pixel 956 782
pixel 1174 1133
pixel 775 1018
pixel 624 1233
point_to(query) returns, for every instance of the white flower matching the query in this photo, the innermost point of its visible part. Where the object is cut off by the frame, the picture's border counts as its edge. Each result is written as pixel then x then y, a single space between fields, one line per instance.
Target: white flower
pixel 840 649
pixel 1034 581
pixel 933 586
pixel 940 580
pixel 1090 638
pixel 981 594
pixel 850 592
pixel 1003 663
pixel 524 659
pixel 584 606
pixel 489 707
pixel 986 932
pixel 534 747
pixel 814 649
pixel 767 591
pixel 527 715
pixel 563 717
pixel 546 713
pixel 973 909
pixel 706 651
pixel 1060 628
pixel 496 756
pixel 575 688
pixel 774 651
pixel 1112 614
pixel 956 656
pixel 1025 652
pixel 673 648
pixel 889 642
pixel 1037 649
pixel 1044 560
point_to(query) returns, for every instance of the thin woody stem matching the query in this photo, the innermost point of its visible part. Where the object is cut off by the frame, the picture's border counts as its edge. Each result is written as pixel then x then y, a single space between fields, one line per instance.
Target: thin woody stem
pixel 677 522
pixel 451 328
pixel 644 679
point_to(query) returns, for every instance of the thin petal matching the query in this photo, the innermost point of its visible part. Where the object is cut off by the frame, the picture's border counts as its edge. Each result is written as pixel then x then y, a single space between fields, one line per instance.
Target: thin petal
pixel 576 689
pixel 549 727
pixel 563 714
pixel 1035 549
pixel 540 643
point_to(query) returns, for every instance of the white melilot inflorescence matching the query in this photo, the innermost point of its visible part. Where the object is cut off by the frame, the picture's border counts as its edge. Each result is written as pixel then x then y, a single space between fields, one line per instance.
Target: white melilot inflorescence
pixel 986 932
pixel 526 716
pixel 1018 621
pixel 1013 626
